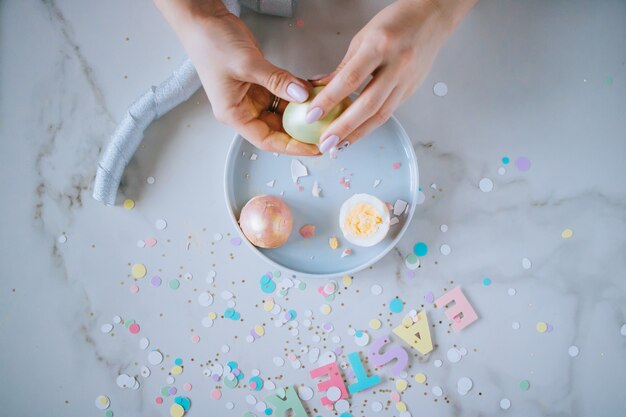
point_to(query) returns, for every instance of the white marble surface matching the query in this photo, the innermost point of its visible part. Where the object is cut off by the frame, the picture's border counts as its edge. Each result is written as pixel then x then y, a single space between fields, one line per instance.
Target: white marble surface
pixel 538 79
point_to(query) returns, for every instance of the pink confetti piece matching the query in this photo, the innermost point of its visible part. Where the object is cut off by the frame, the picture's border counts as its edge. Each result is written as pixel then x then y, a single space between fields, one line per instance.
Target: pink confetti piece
pixel 300 22
pixel 396 165
pixel 150 242
pixel 307 231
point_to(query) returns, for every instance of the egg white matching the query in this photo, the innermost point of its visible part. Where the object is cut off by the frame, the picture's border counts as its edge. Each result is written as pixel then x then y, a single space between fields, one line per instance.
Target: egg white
pixel 379 206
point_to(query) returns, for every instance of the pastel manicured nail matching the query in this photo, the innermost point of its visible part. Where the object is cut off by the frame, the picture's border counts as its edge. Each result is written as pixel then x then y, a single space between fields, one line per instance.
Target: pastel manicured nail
pixel 313 115
pixel 317 77
pixel 333 152
pixel 329 143
pixel 297 92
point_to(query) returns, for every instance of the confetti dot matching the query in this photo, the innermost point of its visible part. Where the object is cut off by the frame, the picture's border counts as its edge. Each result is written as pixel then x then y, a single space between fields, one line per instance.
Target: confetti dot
pixel 376 289
pixel 522 163
pixel 106 328
pixel 325 309
pixel 134 289
pixel 512 292
pixel 420 249
pixel 375 324
pixel 396 305
pixel 160 224
pixel 216 394
pixel 505 403
pixel 440 89
pixel 486 282
pixel 129 204
pixel 155 281
pixel 420 378
pixel 623 330
pixel 437 391
pixel 506 160
pixel 177 410
pixel 150 180
pixel 102 402
pixel 573 351
pixel 62 239
pixel 412 262
pixel 485 185
pixel 305 393
pixel 235 241
pixel 515 325
pixel 155 357
pixel 158 400
pixel 567 233
pixel 347 280
pixel 524 385
pixel 173 284
pixel 526 263
pixel 376 406
pixel 396 165
pixel 453 355
pixel 501 171
pixel 443 228
pixel 464 385
pixel 217 237
pixel 195 338
pixel 133 328
pixel 541 327
pixel 438 363
pixel 333 394
pixel 445 249
pixel 401 384
pixel 139 270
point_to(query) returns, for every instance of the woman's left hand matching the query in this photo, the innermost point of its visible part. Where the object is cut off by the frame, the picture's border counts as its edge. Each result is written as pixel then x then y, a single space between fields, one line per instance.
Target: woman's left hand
pixel 397 48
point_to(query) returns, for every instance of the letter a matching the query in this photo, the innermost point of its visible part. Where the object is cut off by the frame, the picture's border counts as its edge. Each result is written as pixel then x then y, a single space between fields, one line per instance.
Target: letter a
pixel 417 335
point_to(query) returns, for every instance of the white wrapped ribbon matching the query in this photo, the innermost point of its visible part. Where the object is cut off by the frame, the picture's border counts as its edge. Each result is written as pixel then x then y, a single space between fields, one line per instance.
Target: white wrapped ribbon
pixel 156 102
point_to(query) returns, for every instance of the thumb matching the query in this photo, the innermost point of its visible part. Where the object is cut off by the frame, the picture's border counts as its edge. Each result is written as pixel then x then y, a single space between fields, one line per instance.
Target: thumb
pixel 280 82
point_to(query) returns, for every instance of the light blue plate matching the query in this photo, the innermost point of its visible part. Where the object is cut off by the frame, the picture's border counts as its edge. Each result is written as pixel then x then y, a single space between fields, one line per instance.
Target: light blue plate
pixel 370 159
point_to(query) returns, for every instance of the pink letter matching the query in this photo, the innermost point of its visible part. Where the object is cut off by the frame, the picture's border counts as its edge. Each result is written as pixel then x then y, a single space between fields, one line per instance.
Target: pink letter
pixel 334 380
pixel 461 314
pixel 380 359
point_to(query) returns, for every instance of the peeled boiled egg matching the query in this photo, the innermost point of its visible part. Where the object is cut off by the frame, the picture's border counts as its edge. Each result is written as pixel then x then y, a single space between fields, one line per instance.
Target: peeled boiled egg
pixel 266 221
pixel 296 126
pixel 364 220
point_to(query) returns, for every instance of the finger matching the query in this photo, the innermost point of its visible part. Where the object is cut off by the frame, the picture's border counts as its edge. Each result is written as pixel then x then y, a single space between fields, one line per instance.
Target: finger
pixel 343 83
pixel 395 99
pixel 278 81
pixel 366 106
pixel 259 133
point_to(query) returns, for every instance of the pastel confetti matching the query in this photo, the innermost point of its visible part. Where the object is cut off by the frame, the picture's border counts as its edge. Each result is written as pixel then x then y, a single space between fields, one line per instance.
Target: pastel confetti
pixel 307 231
pixel 522 163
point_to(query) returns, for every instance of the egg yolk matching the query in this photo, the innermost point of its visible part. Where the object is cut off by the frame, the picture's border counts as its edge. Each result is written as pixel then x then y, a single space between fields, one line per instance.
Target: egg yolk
pixel 363 220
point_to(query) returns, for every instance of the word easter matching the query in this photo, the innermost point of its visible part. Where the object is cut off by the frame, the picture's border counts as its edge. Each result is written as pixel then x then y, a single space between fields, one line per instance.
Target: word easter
pixel 415 333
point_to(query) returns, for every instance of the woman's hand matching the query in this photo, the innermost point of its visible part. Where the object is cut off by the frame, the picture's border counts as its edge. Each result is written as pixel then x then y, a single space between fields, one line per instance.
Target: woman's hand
pixel 396 48
pixel 239 82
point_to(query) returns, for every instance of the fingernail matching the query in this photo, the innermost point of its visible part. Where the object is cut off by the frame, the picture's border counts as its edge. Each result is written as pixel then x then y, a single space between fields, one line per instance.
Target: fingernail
pixel 313 115
pixel 297 92
pixel 329 143
pixel 333 152
pixel 317 77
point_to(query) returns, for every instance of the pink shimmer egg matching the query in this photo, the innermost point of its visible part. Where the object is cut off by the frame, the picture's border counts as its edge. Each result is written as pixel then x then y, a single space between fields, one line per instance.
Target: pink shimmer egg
pixel 266 221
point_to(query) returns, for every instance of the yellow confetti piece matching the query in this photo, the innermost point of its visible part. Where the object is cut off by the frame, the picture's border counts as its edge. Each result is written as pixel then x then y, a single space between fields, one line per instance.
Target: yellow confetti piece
pixel 347 280
pixel 401 406
pixel 541 327
pixel 103 399
pixel 325 309
pixel 139 270
pixel 401 384
pixel 420 378
pixel 333 243
pixel 176 370
pixel 407 321
pixel 129 204
pixel 567 233
pixel 177 410
pixel 268 304
pixel 212 315
pixel 260 330
pixel 375 324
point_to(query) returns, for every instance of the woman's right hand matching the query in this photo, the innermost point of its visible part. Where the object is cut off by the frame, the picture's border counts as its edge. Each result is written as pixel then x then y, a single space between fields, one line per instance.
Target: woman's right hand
pixel 239 82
